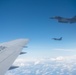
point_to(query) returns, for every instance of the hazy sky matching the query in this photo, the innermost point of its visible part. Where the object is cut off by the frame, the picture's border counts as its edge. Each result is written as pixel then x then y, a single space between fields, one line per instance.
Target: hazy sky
pixel 30 19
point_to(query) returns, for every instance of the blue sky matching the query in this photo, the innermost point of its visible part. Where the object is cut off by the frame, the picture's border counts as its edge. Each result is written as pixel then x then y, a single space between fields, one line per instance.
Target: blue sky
pixel 30 19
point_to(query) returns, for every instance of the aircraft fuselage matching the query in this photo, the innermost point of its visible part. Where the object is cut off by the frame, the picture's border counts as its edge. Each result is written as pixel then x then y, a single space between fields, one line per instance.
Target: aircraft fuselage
pixel 64 20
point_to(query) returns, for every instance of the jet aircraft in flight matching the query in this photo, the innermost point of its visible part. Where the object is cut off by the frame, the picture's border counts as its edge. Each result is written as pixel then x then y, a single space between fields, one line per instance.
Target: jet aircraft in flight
pixel 64 20
pixel 59 39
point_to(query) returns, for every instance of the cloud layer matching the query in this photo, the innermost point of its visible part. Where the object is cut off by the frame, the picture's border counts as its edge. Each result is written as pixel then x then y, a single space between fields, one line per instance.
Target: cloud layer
pixel 50 66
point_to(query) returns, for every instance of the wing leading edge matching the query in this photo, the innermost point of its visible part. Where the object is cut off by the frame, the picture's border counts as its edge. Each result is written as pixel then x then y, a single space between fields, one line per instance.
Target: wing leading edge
pixel 9 52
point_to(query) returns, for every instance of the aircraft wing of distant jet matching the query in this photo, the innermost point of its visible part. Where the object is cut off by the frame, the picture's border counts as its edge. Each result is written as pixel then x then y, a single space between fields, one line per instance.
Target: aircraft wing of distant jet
pixel 57 38
pixel 9 52
pixel 64 20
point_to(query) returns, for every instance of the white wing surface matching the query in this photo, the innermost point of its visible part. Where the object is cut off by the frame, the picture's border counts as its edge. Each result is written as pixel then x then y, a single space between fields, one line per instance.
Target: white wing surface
pixel 9 52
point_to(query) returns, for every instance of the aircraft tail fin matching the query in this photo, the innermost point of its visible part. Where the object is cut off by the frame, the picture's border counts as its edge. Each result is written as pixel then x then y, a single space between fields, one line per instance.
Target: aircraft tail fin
pixel 74 17
pixel 61 38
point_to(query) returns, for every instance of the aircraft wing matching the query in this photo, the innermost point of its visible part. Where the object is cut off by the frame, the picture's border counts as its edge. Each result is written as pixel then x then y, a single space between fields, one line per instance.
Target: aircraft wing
pixel 9 52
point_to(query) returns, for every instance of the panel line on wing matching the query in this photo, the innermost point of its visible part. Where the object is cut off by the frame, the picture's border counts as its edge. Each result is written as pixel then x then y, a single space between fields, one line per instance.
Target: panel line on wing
pixel 8 56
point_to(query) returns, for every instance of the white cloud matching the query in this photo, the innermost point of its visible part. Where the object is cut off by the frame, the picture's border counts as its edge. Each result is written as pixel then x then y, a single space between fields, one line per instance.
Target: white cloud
pixel 67 50
pixel 54 66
